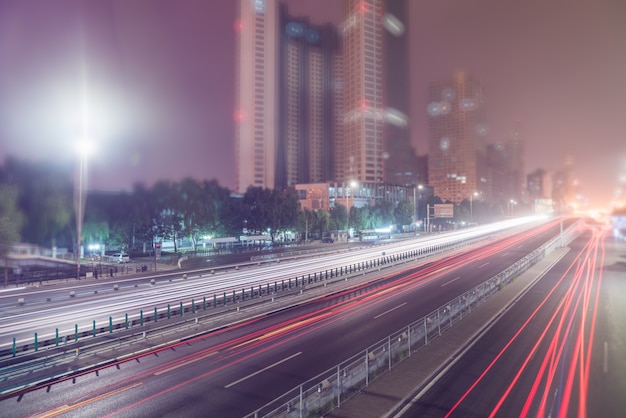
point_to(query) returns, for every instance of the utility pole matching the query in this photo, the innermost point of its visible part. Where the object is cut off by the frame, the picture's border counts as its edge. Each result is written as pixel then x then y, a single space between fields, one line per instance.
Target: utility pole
pixel 414 206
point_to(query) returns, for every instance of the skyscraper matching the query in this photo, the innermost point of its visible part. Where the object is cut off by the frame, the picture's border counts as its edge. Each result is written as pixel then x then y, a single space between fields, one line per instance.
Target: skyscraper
pixel 456 128
pixel 286 116
pixel 257 94
pixel 565 185
pixel 539 184
pixel 308 70
pixel 515 148
pixel 361 144
pixel 400 161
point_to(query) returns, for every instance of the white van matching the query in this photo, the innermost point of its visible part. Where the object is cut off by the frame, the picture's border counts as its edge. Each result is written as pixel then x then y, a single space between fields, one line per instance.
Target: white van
pixel 120 258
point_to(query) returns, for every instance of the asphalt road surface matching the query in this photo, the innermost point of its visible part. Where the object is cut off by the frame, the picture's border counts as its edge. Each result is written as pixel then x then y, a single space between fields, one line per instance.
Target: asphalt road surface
pixel 233 371
pixel 559 351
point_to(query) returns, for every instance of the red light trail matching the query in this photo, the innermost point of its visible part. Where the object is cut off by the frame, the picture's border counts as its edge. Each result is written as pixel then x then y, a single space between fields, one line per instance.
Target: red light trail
pixel 366 296
pixel 564 345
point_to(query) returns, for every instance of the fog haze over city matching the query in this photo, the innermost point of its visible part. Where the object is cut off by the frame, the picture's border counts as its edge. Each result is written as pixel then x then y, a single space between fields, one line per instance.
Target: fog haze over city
pixel 158 78
pixel 281 207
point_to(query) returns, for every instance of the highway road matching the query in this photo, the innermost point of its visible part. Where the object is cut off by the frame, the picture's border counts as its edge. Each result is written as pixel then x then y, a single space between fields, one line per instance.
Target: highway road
pixel 234 370
pixel 44 310
pixel 559 351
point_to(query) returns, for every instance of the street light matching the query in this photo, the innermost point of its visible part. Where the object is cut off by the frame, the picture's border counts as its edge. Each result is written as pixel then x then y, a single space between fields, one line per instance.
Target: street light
pixel 84 149
pixel 471 204
pixel 511 202
pixel 345 191
pixel 416 203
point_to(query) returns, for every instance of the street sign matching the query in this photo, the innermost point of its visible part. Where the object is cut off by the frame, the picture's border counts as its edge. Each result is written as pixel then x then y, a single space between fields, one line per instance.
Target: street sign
pixel 444 210
pixel 157 250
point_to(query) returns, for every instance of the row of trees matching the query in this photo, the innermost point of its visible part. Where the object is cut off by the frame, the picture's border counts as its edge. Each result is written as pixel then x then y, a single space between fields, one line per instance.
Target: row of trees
pixel 192 209
pixel 11 219
pixel 36 206
pixel 169 211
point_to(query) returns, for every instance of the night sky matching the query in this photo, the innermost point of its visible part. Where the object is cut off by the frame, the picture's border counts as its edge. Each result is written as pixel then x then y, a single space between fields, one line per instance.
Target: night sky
pixel 157 78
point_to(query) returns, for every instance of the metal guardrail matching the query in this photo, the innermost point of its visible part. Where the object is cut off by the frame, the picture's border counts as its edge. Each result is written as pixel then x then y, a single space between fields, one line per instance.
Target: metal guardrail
pixel 328 390
pixel 239 299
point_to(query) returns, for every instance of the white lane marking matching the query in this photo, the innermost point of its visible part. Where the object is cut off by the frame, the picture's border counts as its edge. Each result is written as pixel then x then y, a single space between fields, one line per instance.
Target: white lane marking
pixel 262 370
pixel 453 280
pixel 390 310
pixel 12 289
pixel 483 265
pixel 505 254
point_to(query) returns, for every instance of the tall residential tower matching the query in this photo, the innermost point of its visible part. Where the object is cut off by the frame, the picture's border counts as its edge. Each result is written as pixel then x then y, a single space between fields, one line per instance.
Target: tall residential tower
pixel 308 121
pixel 361 144
pixel 287 115
pixel 456 129
pixel 256 124
pixel 401 165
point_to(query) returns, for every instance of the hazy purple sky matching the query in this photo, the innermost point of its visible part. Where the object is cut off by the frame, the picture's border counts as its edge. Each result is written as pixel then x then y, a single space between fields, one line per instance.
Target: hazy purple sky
pixel 159 78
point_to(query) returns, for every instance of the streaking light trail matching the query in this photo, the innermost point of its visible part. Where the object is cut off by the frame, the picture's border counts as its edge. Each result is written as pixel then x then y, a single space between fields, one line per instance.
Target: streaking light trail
pixel 564 347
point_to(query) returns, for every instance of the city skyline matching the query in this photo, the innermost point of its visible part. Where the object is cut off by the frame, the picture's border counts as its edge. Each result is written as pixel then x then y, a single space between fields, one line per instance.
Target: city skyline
pixel 161 82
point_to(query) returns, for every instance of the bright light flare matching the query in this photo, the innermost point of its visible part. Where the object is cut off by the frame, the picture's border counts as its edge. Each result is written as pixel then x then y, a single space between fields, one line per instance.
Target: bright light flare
pixel 396 117
pixel 393 25
pixel 85 147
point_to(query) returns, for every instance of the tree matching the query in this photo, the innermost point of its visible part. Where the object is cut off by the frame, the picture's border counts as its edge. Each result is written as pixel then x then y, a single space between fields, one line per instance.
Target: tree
pixel 95 231
pixel 257 207
pixel 143 214
pixel 462 211
pixel 168 222
pixel 333 224
pixel 357 217
pixel 288 215
pixel 321 221
pixel 233 221
pixel 340 216
pixel 11 220
pixel 272 210
pixel 403 213
pixel 45 199
pixel 194 209
pixel 109 219
pixel 200 207
pixel 385 211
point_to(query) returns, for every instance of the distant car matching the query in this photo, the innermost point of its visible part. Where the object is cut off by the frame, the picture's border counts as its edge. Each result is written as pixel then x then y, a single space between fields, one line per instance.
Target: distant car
pixel 120 258
pixel 327 240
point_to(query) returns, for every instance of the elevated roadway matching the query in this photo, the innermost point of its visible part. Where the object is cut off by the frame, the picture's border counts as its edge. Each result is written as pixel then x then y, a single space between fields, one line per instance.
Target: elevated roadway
pixel 232 371
pixel 69 309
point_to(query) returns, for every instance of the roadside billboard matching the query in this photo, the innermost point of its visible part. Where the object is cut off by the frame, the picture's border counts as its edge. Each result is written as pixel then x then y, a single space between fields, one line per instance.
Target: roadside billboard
pixel 544 206
pixel 444 210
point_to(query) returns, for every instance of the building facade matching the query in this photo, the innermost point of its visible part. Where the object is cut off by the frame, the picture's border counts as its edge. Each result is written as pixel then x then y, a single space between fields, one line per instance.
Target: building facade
pixel 565 186
pixel 256 114
pixel 515 154
pixel 539 184
pixel 307 120
pixel 400 159
pixel 361 144
pixel 456 131
pixel 288 112
pixel 327 195
pixel 317 103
